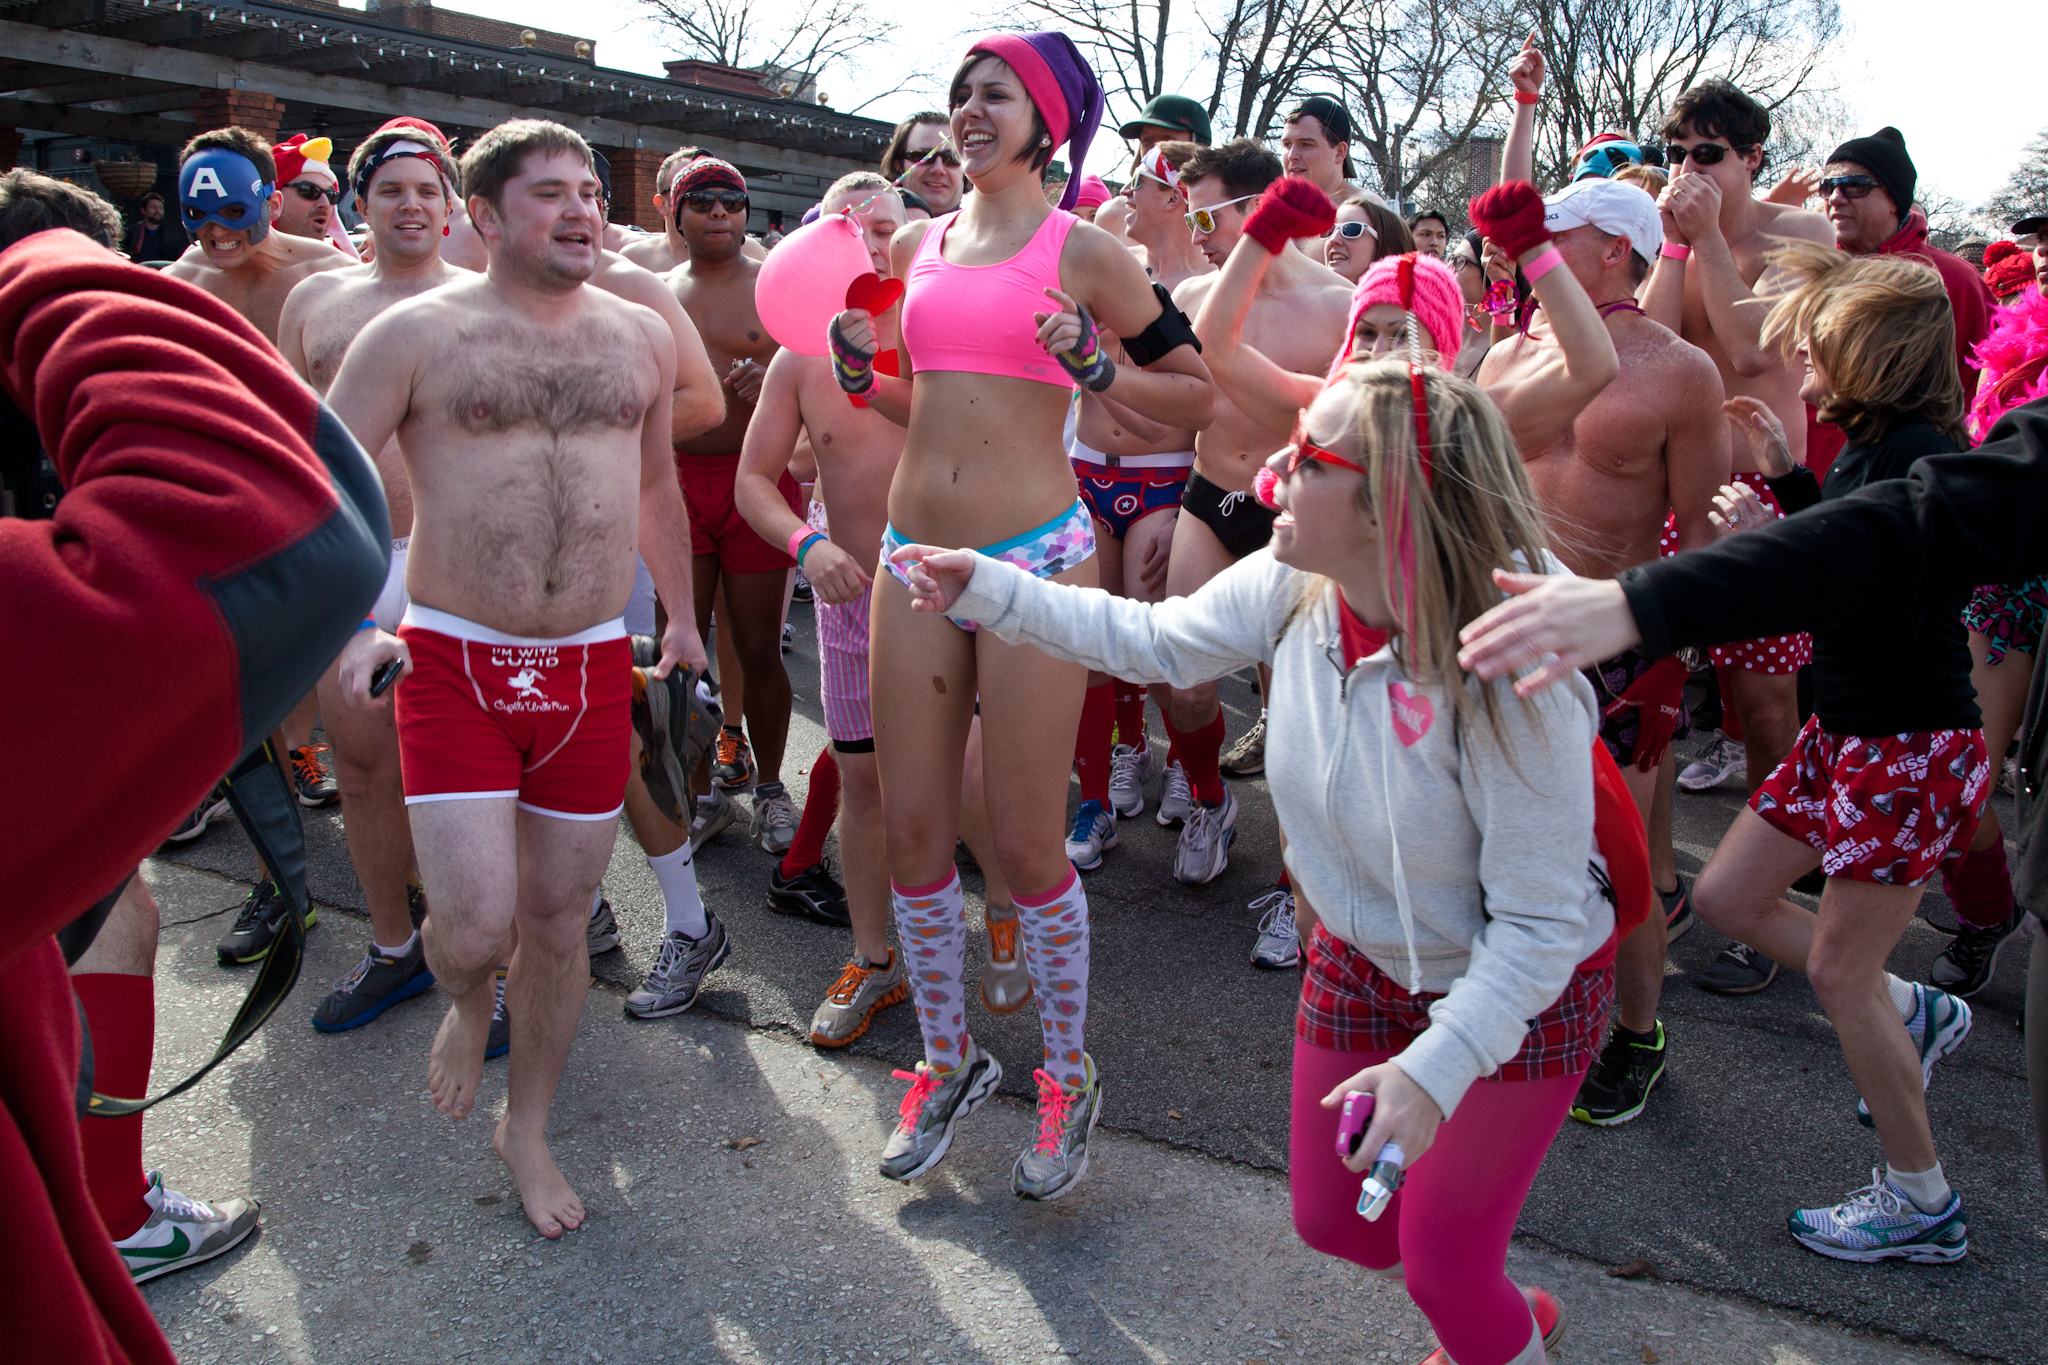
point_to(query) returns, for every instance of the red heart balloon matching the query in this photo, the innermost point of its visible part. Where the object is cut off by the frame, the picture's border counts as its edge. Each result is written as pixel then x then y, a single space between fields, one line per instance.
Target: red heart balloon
pixel 873 293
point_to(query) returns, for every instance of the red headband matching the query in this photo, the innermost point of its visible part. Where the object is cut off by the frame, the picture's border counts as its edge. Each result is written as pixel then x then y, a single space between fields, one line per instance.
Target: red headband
pixel 1415 378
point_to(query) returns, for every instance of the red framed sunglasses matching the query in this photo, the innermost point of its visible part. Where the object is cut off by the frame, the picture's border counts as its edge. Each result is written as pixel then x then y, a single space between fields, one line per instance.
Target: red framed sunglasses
pixel 1304 449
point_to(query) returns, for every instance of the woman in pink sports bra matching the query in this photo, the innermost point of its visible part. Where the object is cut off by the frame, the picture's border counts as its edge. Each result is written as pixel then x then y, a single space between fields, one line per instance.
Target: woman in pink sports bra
pixel 999 325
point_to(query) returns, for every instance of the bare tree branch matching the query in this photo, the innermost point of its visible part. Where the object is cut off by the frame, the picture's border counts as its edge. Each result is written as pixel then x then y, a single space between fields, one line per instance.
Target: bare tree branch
pixel 821 34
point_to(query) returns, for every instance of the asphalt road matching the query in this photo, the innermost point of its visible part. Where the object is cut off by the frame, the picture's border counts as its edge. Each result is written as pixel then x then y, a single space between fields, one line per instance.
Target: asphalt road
pixel 1755 1116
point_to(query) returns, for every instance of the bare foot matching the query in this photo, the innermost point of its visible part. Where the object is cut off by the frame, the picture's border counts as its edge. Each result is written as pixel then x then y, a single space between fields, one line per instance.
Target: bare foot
pixel 551 1206
pixel 456 1064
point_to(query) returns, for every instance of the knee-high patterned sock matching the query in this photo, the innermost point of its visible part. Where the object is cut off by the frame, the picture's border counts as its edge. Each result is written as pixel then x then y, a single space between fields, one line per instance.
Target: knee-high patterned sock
pixel 1980 885
pixel 1201 753
pixel 1130 713
pixel 1091 743
pixel 121 1011
pixel 1055 931
pixel 821 808
pixel 931 923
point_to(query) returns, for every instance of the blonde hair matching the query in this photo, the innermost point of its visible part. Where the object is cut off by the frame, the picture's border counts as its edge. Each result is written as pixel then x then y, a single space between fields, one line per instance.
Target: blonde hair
pixel 1881 330
pixel 1476 513
pixel 1651 178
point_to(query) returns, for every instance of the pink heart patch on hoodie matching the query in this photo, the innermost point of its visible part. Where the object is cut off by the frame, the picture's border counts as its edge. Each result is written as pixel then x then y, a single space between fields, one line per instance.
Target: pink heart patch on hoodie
pixel 1413 715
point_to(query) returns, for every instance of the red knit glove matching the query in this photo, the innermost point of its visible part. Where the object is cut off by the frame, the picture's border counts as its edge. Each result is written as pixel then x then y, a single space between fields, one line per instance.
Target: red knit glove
pixel 1658 698
pixel 1511 217
pixel 1291 207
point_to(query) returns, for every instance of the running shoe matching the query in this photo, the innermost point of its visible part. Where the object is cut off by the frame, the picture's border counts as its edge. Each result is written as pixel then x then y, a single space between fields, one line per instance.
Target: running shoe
pixel 679 971
pixel 1551 1321
pixel 313 775
pixel 1058 1155
pixel 814 894
pixel 1129 770
pixel 1205 837
pixel 212 808
pixel 774 823
pixel 1005 981
pixel 801 592
pixel 1247 757
pixel 181 1231
pixel 1969 961
pixel 1718 762
pixel 713 814
pixel 934 1106
pixel 1737 970
pixel 498 1041
pixel 788 637
pixel 602 933
pixel 1279 942
pixel 732 764
pixel 862 991
pixel 1094 832
pixel 1939 1024
pixel 258 925
pixel 1678 916
pixel 378 982
pixel 676 720
pixel 1176 798
pixel 1619 1085
pixel 1879 1223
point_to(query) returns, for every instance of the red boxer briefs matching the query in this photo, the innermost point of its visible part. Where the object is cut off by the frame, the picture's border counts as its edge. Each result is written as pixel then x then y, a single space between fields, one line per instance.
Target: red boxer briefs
pixel 485 714
pixel 716 526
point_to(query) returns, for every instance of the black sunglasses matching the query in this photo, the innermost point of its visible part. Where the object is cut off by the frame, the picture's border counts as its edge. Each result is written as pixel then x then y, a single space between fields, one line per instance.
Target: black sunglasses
pixel 1705 154
pixel 1850 186
pixel 309 191
pixel 942 154
pixel 701 201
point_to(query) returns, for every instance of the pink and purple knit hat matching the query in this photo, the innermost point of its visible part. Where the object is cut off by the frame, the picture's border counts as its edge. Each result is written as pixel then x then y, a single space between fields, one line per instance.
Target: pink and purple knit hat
pixel 1061 84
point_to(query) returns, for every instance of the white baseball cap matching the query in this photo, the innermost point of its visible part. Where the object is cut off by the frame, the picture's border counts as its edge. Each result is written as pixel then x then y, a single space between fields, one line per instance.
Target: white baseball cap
pixel 1616 207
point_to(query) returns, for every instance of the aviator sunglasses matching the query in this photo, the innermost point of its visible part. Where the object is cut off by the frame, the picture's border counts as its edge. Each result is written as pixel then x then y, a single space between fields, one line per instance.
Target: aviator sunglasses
pixel 1204 220
pixel 1849 186
pixel 702 201
pixel 1705 154
pixel 943 154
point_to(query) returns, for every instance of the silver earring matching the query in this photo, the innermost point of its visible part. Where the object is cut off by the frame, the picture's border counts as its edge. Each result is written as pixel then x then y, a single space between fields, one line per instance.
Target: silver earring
pixel 1045 141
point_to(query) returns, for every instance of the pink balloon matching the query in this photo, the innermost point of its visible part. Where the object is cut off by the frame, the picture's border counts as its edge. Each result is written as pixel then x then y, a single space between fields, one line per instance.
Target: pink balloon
pixel 802 284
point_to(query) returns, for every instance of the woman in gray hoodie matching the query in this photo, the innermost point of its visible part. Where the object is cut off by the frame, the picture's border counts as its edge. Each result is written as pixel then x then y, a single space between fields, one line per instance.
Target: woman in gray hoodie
pixel 1441 827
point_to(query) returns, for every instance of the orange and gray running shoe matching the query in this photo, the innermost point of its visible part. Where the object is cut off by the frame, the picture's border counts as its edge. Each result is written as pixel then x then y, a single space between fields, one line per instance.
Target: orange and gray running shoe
pixel 1005 984
pixel 313 775
pixel 862 991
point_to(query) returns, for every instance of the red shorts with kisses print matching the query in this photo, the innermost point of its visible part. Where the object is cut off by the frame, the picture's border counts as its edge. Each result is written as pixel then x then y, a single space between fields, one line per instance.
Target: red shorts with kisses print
pixel 1775 654
pixel 484 714
pixel 1890 810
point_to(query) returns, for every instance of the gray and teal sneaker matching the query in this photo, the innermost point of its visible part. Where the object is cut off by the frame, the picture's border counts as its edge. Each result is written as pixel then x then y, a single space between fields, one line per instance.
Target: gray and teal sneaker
pixel 1058 1156
pixel 937 1101
pixel 1939 1024
pixel 1879 1223
pixel 182 1231
pixel 679 971
pixel 378 982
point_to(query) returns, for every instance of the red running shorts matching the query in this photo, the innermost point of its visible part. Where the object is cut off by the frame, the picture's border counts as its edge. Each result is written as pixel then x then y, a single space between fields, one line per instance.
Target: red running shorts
pixel 716 526
pixel 1775 654
pixel 1890 810
pixel 485 714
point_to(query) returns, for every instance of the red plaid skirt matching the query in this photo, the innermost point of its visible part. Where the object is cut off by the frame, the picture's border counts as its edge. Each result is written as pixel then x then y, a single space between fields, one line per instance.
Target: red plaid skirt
pixel 1349 1005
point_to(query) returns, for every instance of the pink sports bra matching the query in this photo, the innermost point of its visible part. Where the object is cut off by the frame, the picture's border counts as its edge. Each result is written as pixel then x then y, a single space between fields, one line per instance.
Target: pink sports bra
pixel 978 318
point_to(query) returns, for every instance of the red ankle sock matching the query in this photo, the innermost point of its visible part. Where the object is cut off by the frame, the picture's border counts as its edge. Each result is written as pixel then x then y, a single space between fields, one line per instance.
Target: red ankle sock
pixel 121 1012
pixel 1979 885
pixel 1201 754
pixel 1731 719
pixel 1130 713
pixel 1285 883
pixel 1091 742
pixel 821 808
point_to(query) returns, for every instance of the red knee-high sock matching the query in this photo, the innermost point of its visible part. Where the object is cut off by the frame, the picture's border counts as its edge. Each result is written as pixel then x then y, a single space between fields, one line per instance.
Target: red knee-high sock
pixel 1201 754
pixel 1979 884
pixel 1731 719
pixel 1173 738
pixel 121 1012
pixel 821 808
pixel 1091 742
pixel 1130 713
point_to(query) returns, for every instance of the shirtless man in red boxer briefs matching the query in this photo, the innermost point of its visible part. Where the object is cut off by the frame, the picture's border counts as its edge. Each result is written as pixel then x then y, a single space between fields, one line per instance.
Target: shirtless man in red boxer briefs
pixel 533 414
pixel 716 288
pixel 1709 286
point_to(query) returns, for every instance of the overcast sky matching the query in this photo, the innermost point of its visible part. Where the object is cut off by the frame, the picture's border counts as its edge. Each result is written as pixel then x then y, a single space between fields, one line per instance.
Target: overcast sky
pixel 1964 124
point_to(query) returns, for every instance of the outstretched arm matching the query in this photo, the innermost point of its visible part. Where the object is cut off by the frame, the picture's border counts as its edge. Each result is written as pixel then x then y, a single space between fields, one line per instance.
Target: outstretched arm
pixel 1525 74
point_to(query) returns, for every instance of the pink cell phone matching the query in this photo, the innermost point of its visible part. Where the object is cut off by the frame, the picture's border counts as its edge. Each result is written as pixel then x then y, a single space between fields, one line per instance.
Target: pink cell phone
pixel 1351 1126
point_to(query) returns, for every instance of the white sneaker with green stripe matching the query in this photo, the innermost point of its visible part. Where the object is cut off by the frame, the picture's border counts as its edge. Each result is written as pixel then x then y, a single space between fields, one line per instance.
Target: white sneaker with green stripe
pixel 1939 1024
pixel 1879 1223
pixel 183 1231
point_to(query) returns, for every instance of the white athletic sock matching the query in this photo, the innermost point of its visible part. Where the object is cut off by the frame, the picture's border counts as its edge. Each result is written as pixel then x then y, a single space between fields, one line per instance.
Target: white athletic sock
pixel 1928 1190
pixel 596 899
pixel 1903 998
pixel 685 908
pixel 402 949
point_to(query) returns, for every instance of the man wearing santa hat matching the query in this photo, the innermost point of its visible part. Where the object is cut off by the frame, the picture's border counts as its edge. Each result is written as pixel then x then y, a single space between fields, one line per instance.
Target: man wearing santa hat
pixel 309 190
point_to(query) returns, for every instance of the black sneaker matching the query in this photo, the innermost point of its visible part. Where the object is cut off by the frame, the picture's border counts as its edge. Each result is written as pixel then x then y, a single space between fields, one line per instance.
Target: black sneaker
pixel 313 775
pixel 802 591
pixel 205 813
pixel 1619 1085
pixel 1678 916
pixel 499 1041
pixel 812 893
pixel 1972 957
pixel 416 905
pixel 732 765
pixel 378 982
pixel 1738 970
pixel 258 926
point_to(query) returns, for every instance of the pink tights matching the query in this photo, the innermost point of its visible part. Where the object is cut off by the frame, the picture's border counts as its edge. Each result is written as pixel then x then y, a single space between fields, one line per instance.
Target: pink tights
pixel 1447 1230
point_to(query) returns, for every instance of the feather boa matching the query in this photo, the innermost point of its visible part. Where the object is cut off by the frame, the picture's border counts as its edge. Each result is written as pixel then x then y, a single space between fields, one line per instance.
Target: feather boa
pixel 2012 359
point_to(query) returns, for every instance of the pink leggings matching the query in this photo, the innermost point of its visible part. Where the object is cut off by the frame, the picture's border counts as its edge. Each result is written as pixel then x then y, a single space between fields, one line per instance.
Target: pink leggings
pixel 1447 1230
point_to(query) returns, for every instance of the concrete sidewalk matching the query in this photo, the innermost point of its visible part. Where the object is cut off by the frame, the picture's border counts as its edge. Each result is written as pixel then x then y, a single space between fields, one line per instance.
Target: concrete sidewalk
pixel 735 1215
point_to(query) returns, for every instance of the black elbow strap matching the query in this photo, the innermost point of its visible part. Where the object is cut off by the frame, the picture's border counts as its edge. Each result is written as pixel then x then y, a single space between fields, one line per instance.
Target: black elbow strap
pixel 1168 332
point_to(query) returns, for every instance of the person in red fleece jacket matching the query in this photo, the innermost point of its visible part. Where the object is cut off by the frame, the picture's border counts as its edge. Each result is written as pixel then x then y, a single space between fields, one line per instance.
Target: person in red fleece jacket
pixel 204 487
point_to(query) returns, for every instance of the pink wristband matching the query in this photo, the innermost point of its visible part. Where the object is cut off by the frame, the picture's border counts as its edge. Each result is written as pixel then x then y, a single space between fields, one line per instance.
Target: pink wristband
pixel 1542 265
pixel 1677 251
pixel 798 537
pixel 1528 97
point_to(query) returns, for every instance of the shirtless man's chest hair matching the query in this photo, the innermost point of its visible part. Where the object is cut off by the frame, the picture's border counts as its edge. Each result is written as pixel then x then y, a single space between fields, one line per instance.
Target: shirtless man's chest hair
pixel 720 301
pixel 258 289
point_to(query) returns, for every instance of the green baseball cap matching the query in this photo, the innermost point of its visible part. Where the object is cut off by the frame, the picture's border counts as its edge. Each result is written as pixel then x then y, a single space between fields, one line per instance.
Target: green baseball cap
pixel 1176 112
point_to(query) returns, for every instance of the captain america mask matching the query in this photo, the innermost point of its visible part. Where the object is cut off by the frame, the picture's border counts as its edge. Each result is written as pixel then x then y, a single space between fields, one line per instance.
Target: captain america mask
pixel 222 186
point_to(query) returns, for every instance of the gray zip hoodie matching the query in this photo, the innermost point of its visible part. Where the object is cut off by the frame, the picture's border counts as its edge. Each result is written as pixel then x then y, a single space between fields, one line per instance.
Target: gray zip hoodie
pixel 1454 865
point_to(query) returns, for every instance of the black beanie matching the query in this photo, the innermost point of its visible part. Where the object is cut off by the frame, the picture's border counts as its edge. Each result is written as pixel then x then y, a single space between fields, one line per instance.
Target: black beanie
pixel 1883 154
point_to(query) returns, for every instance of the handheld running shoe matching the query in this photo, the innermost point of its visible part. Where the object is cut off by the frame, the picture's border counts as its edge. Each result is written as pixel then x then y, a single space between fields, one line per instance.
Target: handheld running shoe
pixel 1938 1027
pixel 1129 770
pixel 679 971
pixel 1058 1155
pixel 1093 833
pixel 181 1231
pixel 1005 981
pixel 933 1107
pixel 1204 849
pixel 378 982
pixel 677 718
pixel 1879 1223
pixel 862 991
